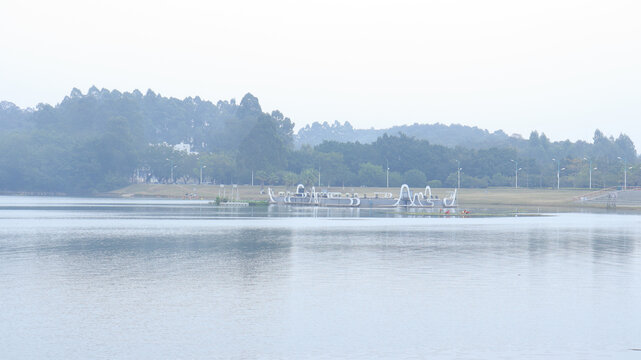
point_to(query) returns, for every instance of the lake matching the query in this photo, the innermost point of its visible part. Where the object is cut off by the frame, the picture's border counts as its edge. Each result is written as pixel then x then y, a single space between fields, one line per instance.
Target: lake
pixel 123 278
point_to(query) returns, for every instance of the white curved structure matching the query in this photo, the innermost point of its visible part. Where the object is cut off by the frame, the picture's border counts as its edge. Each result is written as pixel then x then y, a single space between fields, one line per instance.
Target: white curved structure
pixel 404 197
pixel 272 200
pixel 420 200
pixel 450 201
pixel 428 192
pixel 380 200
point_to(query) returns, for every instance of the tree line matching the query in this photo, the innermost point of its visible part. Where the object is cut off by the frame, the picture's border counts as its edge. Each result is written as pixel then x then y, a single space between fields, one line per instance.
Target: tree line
pixel 395 160
pixel 106 139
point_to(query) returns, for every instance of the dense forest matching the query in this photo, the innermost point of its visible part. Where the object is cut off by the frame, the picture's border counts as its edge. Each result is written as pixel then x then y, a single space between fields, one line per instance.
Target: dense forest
pixel 105 139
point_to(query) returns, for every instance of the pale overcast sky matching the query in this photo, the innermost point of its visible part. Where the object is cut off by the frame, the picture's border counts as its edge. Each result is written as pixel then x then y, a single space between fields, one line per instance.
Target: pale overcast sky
pixel 562 67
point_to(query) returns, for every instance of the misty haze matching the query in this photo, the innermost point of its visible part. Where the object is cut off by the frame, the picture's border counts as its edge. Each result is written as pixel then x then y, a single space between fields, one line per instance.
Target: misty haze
pixel 343 180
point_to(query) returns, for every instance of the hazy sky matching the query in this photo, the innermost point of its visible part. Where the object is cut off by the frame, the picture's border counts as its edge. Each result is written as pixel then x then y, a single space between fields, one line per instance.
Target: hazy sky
pixel 562 67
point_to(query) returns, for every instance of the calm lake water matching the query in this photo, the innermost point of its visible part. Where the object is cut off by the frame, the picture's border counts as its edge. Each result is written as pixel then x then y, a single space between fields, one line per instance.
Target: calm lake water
pixel 112 278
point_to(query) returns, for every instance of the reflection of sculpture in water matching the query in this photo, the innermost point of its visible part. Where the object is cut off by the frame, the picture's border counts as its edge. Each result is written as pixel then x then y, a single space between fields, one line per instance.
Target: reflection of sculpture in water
pixel 274 210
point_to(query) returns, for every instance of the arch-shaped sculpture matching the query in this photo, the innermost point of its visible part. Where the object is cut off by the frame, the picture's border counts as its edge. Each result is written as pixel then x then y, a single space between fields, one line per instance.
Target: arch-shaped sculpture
pixel 420 201
pixel 404 196
pixel 271 196
pixel 450 201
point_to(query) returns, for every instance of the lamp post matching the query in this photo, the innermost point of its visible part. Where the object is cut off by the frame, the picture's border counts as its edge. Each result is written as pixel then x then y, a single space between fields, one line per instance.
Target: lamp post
pixel 201 173
pixel 387 175
pixel 516 173
pixel 589 169
pixel 625 173
pixel 558 173
pixel 458 174
pixel 171 169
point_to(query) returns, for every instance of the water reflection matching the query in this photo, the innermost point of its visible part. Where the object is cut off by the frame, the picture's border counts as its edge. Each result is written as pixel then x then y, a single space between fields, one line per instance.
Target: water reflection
pixel 239 255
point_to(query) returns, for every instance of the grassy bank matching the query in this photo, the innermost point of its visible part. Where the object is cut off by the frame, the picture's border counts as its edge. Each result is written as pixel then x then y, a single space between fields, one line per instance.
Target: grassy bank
pixel 521 197
pixel 467 197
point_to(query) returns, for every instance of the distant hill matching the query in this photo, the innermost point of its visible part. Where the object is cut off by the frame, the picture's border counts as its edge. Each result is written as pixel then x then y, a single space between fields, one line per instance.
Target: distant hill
pixel 438 134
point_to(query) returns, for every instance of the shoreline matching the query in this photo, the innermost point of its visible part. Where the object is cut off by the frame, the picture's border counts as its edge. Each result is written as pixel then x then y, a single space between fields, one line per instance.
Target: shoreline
pixel 467 197
pixel 563 199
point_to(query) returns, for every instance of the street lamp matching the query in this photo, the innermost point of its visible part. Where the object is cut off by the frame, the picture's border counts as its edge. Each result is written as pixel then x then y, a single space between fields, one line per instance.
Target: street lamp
pixel 201 173
pixel 387 176
pixel 458 174
pixel 590 169
pixel 516 173
pixel 625 173
pixel 171 167
pixel 558 173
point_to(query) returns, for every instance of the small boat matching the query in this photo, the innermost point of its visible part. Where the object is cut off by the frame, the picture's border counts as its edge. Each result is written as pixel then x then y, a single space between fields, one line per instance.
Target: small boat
pixel 376 200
